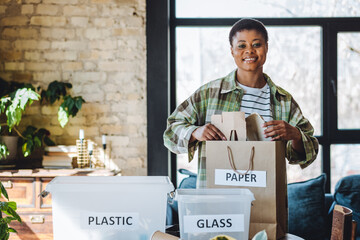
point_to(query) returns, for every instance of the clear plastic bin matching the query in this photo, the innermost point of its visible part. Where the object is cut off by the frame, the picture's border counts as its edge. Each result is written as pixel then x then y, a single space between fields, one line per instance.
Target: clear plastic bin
pixel 207 213
pixel 116 207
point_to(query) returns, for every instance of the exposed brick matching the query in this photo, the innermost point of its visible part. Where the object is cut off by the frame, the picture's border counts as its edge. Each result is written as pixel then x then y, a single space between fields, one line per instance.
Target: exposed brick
pixel 118 66
pixel 79 21
pixel 28 33
pixel 94 108
pixel 127 32
pixel 46 9
pixel 14 21
pixel 88 131
pixel 96 54
pixel 71 66
pixel 32 55
pixel 48 21
pixel 60 55
pixel 95 96
pixel 27 9
pixel 82 77
pixel 32 44
pixel 49 110
pixel 4 44
pixel 3 9
pixel 79 10
pixel 93 33
pixel 101 1
pixel 10 32
pixel 103 22
pixel 56 130
pixel 103 45
pixel 65 2
pixel 112 128
pixel 36 66
pixel 14 66
pixel 70 45
pixel 133 21
pixel 47 77
pixel 136 119
pixel 23 77
pixel 33 110
pixel 57 33
pixel 32 1
pixel 11 55
pixel 90 66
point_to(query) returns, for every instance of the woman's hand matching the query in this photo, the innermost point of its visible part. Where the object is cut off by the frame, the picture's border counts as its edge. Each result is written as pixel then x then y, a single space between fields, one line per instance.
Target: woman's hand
pixel 281 130
pixel 207 132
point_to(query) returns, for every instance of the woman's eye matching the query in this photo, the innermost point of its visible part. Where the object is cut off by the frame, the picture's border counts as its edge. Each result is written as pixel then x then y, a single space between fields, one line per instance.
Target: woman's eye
pixel 242 46
pixel 256 44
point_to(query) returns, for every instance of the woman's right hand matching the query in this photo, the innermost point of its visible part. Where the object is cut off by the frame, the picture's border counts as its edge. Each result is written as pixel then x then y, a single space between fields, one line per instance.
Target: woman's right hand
pixel 207 132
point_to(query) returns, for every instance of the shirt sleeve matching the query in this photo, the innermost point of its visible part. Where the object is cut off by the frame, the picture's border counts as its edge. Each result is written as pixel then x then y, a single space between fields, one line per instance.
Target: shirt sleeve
pixel 310 143
pixel 181 124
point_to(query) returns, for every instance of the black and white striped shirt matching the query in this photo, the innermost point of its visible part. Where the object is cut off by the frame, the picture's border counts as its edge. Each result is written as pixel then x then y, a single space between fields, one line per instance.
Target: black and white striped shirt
pixel 256 100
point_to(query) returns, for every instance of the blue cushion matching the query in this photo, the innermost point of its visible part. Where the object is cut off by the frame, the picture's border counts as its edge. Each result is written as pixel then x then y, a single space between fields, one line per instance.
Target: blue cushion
pixel 307 214
pixel 347 193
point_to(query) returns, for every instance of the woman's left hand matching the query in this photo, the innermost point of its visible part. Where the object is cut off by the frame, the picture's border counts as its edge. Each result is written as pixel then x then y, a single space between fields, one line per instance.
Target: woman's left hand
pixel 281 130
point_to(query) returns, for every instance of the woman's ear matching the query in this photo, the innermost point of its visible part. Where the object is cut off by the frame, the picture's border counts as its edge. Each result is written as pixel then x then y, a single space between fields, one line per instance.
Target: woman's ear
pixel 267 47
pixel 231 50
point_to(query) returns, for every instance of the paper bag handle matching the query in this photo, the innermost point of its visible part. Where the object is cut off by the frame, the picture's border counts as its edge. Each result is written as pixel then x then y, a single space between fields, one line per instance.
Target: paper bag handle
pixel 232 162
pixel 233 135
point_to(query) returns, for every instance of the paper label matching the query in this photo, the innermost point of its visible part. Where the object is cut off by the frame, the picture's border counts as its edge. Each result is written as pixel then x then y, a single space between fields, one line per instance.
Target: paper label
pixel 119 221
pixel 229 177
pixel 214 223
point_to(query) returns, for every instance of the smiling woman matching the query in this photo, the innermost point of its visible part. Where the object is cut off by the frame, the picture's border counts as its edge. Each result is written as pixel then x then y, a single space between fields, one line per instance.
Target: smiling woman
pixel 245 89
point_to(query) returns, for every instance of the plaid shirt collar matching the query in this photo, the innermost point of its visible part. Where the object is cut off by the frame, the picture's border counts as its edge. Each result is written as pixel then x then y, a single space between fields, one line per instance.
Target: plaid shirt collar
pixel 230 85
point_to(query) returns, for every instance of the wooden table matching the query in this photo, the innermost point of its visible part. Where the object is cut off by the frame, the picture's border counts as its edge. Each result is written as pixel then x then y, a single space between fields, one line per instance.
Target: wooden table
pixel 24 186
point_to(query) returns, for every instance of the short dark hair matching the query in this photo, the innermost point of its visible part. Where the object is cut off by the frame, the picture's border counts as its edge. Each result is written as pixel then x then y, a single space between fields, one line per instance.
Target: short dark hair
pixel 248 24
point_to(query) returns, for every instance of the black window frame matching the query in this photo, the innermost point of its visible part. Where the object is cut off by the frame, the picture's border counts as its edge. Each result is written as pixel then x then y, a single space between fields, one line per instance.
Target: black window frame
pixel 161 78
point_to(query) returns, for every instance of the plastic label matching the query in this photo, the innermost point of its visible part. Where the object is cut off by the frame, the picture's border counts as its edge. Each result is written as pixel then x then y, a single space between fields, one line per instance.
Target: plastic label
pixel 229 177
pixel 214 223
pixel 119 221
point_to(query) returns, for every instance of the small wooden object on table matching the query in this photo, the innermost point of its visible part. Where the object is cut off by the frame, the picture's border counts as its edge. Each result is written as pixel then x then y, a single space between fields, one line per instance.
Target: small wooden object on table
pixel 83 158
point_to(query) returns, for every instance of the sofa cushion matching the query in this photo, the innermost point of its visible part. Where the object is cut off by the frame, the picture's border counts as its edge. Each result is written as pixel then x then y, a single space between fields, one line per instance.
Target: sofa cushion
pixel 347 193
pixel 307 214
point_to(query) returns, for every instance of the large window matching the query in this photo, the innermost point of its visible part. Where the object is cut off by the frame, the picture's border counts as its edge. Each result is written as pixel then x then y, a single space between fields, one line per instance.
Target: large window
pixel 296 61
pixel 314 53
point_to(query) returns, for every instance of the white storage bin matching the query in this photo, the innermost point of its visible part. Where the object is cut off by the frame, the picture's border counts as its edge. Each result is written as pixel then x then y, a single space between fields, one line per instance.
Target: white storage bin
pixel 207 213
pixel 116 207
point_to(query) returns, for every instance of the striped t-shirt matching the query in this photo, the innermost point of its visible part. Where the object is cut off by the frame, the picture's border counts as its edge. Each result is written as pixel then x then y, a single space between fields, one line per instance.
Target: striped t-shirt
pixel 256 100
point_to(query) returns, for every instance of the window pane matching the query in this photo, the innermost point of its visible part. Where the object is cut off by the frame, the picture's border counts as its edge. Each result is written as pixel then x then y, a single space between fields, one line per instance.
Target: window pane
pixel 265 8
pixel 344 161
pixel 296 174
pixel 203 54
pixel 348 97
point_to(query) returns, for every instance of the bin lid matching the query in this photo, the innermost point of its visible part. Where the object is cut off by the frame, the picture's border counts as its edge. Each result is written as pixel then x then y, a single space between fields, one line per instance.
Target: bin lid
pixel 82 182
pixel 214 192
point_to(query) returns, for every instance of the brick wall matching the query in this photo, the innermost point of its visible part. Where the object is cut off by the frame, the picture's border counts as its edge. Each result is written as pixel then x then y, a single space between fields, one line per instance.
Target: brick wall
pixel 98 46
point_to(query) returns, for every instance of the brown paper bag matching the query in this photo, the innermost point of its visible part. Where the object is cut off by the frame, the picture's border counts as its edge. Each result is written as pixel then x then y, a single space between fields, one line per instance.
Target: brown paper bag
pixel 260 167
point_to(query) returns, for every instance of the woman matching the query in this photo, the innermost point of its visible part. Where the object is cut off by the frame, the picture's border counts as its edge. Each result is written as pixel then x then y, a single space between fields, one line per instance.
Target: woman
pixel 246 89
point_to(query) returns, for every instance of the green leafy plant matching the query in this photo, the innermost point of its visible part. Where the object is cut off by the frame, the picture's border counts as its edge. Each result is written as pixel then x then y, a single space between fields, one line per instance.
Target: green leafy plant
pixel 15 98
pixel 7 214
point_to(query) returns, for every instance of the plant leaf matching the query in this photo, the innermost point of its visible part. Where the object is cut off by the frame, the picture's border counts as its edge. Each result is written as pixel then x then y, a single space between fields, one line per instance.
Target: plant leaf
pixel 63 116
pixel 3 191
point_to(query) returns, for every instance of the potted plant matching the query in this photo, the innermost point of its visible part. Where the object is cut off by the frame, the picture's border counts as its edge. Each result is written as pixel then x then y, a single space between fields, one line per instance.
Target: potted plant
pixel 16 97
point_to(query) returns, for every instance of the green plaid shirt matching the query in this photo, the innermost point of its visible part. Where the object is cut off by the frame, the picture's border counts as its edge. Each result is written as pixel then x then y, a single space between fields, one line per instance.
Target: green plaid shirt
pixel 224 94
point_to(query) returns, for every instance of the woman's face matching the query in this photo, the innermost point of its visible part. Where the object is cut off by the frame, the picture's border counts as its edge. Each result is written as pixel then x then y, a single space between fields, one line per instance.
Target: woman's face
pixel 249 50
